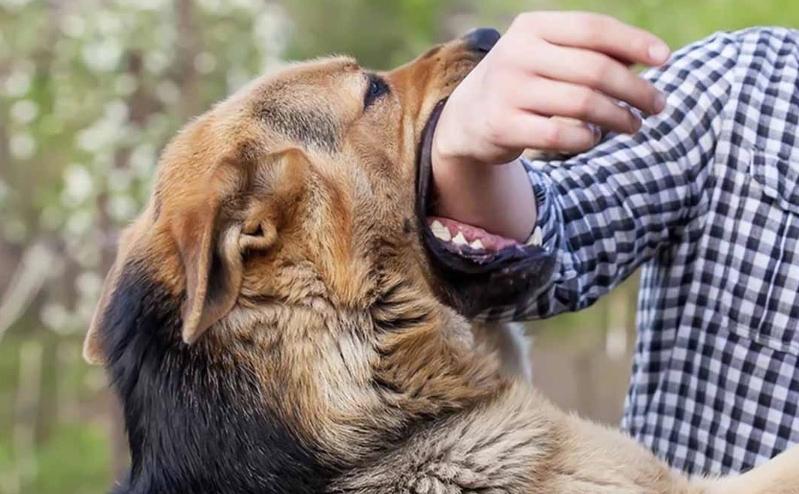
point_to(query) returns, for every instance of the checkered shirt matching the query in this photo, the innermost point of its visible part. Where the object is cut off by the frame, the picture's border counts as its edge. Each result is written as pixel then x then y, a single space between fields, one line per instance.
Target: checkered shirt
pixel 705 198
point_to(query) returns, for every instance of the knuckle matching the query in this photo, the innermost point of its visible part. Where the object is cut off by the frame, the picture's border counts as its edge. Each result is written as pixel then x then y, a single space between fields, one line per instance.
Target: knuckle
pixel 646 97
pixel 503 57
pixel 591 25
pixel 551 136
pixel 585 103
pixel 539 49
pixel 605 20
pixel 600 21
pixel 585 24
pixel 640 94
pixel 494 123
pixel 599 72
pixel 516 24
pixel 524 19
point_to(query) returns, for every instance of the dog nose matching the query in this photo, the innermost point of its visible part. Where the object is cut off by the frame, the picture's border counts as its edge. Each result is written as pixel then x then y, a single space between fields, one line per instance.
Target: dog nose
pixel 482 39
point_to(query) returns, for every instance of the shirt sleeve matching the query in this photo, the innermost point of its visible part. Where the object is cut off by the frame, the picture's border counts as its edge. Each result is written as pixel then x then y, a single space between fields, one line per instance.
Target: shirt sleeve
pixel 603 213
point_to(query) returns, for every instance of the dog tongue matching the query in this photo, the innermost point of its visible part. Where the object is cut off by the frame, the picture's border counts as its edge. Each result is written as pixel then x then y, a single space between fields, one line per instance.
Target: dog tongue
pixel 461 234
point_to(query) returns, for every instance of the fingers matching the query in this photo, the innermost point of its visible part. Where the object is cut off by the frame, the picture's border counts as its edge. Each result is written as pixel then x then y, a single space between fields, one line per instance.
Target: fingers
pixel 597 32
pixel 527 130
pixel 597 71
pixel 548 97
pixel 548 64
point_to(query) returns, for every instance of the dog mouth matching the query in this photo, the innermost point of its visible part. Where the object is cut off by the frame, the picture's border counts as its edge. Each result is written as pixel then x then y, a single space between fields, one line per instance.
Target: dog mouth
pixel 475 268
pixel 472 242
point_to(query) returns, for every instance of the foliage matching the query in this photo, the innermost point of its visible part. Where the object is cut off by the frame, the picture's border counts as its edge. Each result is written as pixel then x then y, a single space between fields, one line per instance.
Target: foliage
pixel 379 33
pixel 90 91
pixel 679 22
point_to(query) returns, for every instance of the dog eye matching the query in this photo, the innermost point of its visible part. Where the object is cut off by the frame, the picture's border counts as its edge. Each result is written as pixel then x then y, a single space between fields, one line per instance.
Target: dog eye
pixel 377 88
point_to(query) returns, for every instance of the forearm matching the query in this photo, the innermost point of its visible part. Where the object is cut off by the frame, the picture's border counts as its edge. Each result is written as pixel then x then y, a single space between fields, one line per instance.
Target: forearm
pixel 505 204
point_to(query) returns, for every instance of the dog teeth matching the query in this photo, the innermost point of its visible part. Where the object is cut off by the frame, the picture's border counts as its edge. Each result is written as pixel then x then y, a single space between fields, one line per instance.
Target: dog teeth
pixel 440 231
pixel 460 239
pixel 537 238
pixel 477 245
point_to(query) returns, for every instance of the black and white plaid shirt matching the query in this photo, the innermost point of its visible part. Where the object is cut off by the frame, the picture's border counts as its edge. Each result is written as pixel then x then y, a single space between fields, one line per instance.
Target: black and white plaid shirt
pixel 706 199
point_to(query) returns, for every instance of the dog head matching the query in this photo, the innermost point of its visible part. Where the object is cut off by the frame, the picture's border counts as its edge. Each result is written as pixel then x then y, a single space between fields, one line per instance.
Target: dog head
pixel 298 187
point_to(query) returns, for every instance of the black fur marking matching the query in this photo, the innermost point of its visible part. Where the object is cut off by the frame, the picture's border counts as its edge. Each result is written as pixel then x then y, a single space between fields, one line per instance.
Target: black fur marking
pixel 312 128
pixel 195 417
pixel 407 226
pixel 397 309
pixel 401 323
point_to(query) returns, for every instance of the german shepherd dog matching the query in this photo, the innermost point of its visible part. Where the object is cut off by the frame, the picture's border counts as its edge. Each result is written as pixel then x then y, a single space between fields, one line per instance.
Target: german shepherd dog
pixel 280 320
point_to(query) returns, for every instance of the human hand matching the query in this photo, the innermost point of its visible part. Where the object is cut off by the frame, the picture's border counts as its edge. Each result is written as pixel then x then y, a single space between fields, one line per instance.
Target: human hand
pixel 547 64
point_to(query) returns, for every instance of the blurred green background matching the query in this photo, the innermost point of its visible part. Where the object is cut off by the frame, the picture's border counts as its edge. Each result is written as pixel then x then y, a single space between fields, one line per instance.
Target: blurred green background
pixel 90 90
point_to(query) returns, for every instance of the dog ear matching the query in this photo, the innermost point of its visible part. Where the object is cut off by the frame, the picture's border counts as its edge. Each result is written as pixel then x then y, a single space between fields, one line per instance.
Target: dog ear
pixel 209 248
pixel 213 260
pixel 212 266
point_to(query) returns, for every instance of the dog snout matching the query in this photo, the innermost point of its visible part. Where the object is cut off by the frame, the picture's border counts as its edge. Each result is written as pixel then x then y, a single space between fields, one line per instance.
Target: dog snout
pixel 482 39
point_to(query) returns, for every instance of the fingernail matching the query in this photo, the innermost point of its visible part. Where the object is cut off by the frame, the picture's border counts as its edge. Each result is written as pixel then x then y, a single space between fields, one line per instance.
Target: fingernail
pixel 636 123
pixel 596 131
pixel 660 102
pixel 659 53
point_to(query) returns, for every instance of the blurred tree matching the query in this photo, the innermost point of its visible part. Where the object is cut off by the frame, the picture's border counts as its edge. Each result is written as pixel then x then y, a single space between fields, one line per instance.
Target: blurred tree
pixel 379 33
pixel 90 91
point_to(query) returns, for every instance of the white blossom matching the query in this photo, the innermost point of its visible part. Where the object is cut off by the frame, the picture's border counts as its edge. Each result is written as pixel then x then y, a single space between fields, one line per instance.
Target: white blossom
pixel 143 160
pixel 78 185
pixel 56 317
pixel 18 82
pixel 79 223
pixel 102 55
pixel 24 111
pixel 89 283
pixel 22 145
pixel 119 180
pixel 122 208
pixel 156 61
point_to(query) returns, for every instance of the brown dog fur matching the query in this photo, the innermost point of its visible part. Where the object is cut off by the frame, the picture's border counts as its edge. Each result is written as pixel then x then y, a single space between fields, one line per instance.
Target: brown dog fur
pixel 283 222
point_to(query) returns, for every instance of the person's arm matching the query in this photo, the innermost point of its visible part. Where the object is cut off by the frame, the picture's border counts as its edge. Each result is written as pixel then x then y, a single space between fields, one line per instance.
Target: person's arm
pixel 604 212
pixel 548 63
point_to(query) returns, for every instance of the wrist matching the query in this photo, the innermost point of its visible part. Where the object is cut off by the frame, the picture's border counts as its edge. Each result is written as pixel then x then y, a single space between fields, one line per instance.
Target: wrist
pixel 497 198
pixel 451 156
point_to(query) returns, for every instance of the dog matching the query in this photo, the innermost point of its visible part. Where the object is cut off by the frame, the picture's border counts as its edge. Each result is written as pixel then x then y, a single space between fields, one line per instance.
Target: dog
pixel 279 318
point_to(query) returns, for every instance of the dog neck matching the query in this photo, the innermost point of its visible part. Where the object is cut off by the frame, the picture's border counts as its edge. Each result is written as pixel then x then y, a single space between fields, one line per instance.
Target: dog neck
pixel 195 416
pixel 271 394
pixel 381 371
